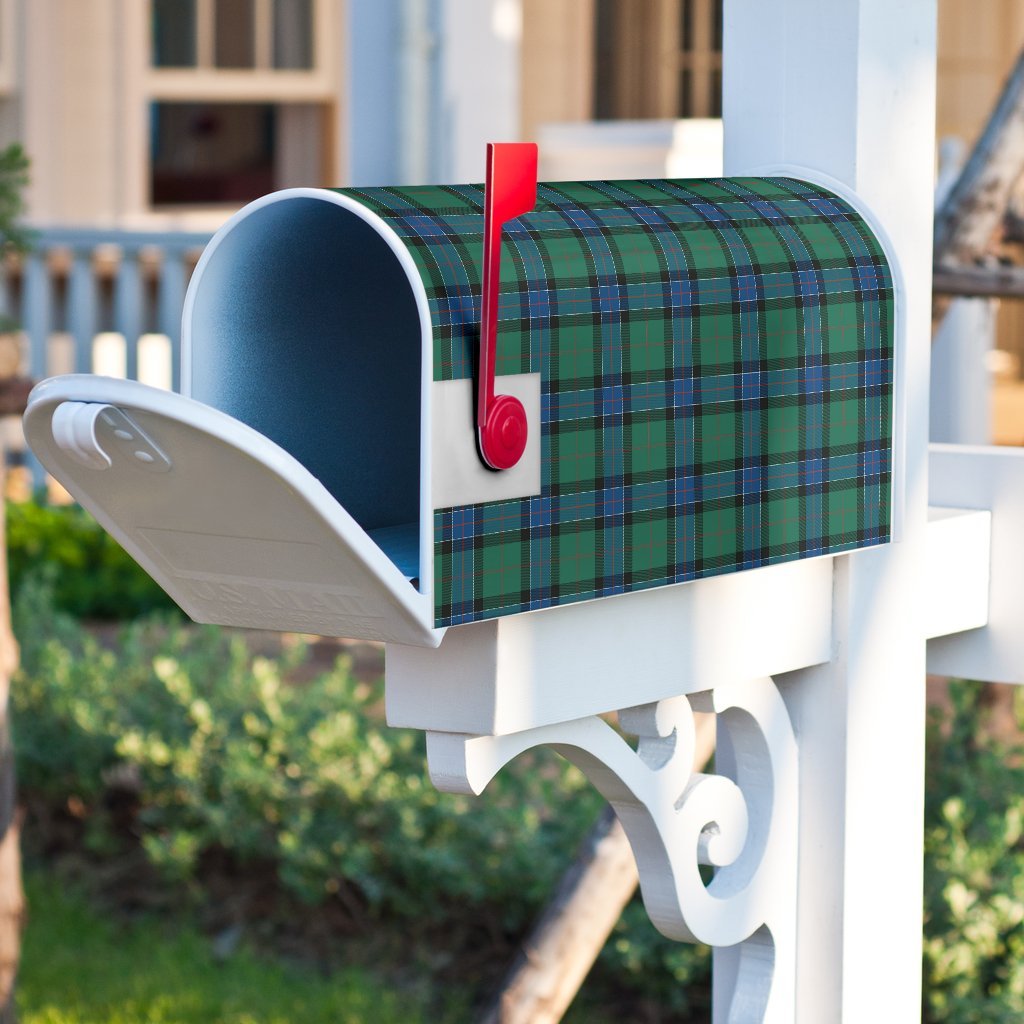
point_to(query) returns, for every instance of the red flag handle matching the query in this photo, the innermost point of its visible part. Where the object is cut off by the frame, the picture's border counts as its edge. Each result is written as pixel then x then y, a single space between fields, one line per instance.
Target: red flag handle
pixel 510 191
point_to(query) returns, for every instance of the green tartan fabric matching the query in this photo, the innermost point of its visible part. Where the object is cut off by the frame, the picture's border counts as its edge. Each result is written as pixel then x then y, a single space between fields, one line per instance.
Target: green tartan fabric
pixel 716 359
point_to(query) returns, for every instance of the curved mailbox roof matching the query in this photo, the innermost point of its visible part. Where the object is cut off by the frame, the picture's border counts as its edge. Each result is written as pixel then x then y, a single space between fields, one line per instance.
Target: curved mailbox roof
pixel 716 361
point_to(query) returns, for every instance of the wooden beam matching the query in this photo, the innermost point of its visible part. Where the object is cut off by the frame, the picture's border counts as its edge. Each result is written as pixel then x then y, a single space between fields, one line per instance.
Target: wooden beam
pixel 976 205
pixel 1005 282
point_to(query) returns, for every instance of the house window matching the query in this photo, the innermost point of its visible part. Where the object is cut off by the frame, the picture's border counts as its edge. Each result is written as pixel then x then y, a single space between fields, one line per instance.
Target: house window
pixel 234 34
pixel 256 35
pixel 658 58
pixel 293 34
pixel 212 152
pixel 242 98
pixel 174 33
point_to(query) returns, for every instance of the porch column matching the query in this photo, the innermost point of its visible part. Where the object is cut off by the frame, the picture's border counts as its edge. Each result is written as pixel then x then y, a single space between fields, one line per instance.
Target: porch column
pixel 848 89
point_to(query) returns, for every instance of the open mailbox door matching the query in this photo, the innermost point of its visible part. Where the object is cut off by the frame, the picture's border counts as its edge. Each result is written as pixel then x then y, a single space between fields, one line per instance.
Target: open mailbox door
pixel 236 530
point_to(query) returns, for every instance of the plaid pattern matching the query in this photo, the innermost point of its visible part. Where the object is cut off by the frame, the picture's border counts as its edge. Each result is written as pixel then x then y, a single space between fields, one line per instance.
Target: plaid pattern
pixel 716 360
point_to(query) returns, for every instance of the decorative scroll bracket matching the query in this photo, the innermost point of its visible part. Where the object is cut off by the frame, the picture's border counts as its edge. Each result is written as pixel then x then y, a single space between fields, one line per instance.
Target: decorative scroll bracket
pixel 743 822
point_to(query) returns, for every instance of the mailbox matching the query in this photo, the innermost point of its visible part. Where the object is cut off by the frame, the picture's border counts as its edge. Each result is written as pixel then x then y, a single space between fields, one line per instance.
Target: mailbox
pixel 705 368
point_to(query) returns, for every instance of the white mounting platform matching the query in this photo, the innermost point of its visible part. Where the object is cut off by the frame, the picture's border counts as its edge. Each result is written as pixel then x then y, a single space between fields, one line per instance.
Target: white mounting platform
pixel 559 664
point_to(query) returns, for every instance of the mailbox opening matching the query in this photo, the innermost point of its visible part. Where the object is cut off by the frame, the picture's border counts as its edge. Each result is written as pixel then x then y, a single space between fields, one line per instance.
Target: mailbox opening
pixel 302 323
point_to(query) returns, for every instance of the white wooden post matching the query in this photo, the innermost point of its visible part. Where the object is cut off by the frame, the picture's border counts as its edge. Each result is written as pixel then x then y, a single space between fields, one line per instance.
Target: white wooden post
pixel 849 89
pixel 479 87
pixel 961 389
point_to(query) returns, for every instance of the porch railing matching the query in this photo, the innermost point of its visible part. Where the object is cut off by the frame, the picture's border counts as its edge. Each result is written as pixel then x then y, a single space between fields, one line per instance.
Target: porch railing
pixel 102 301
pixel 98 301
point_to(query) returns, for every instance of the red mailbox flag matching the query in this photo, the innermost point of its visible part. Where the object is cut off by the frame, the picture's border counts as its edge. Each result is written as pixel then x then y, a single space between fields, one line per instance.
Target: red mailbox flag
pixel 511 190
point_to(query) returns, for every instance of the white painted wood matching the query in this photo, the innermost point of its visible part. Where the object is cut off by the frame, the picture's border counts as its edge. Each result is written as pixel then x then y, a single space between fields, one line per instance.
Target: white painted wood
pixel 745 825
pixel 562 946
pixel 584 150
pixel 228 523
pixel 478 81
pixel 986 478
pixel 960 410
pixel 849 89
pixel 956 586
pixel 558 664
pixel 957 580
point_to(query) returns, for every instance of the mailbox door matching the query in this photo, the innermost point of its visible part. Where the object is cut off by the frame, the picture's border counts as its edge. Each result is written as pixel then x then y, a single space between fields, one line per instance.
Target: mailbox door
pixel 235 529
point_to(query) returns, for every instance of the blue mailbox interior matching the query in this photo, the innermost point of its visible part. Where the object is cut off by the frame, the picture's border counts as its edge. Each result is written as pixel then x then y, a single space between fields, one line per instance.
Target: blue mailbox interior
pixel 305 327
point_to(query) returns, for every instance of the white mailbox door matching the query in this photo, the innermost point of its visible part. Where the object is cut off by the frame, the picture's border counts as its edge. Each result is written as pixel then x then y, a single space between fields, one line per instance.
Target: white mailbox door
pixel 236 530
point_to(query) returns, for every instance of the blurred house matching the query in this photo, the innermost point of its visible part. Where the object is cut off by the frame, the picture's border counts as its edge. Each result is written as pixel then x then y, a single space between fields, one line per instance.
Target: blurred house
pixel 164 113
pixel 150 121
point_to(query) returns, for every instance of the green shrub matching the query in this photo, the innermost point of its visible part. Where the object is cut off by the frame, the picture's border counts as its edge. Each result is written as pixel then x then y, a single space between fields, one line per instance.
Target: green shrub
pixel 974 869
pixel 90 573
pixel 228 756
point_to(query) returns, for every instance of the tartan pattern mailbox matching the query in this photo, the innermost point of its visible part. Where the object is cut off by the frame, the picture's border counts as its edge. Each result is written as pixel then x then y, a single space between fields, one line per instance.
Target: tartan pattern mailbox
pixel 707 364
pixel 716 382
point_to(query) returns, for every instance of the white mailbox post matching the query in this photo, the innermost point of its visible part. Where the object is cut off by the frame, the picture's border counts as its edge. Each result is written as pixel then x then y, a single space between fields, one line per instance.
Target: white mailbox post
pixel 850 88
pixel 811 653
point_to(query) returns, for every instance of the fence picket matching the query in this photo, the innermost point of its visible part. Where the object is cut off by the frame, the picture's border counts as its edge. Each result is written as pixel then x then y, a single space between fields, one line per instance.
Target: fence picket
pixel 67 283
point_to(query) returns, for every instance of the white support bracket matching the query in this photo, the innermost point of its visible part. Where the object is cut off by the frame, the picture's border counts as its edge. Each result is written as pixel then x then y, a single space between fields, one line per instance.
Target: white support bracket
pixel 742 821
pixel 543 680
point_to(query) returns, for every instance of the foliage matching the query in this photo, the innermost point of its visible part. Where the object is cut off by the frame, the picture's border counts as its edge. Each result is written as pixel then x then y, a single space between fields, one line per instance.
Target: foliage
pixel 974 869
pixel 80 968
pixel 664 974
pixel 13 178
pixel 91 574
pixel 225 755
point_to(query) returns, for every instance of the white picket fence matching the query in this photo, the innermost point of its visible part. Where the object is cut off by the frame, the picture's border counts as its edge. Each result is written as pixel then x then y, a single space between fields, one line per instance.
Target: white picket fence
pixel 102 301
pixel 99 301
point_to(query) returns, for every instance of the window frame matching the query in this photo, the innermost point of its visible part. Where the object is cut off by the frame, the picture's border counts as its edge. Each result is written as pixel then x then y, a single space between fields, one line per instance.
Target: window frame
pixel 144 85
pixel 262 83
pixel 651 56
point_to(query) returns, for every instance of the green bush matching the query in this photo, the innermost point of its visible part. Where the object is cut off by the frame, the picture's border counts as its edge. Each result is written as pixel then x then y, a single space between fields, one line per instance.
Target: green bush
pixel 91 574
pixel 974 869
pixel 228 757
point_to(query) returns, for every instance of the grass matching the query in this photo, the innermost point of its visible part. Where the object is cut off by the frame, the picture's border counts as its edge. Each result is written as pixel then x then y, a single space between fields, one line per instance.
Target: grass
pixel 79 968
